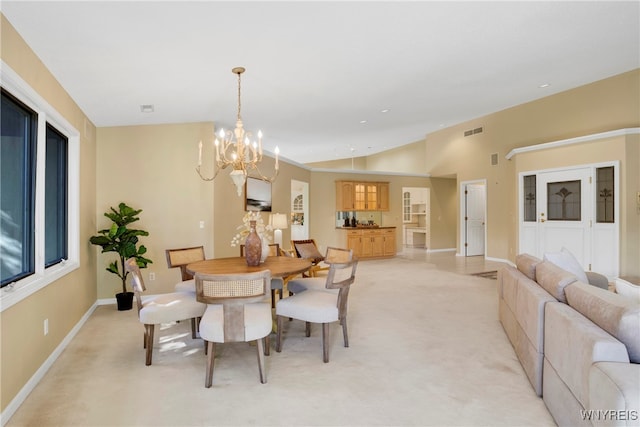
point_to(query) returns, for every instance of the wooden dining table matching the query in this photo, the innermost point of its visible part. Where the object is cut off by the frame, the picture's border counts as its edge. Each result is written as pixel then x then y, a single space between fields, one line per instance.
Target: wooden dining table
pixel 279 266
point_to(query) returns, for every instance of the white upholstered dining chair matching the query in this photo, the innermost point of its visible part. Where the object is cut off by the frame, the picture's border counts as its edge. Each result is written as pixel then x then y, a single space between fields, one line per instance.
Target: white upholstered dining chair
pixel 333 255
pixel 163 308
pixel 238 310
pixel 320 305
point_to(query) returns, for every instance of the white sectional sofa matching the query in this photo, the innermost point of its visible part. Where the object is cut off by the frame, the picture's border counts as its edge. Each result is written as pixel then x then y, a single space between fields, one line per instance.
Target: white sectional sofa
pixel 578 344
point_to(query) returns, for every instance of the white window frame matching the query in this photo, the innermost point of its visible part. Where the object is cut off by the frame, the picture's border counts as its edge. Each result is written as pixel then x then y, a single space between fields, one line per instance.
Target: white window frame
pixel 21 289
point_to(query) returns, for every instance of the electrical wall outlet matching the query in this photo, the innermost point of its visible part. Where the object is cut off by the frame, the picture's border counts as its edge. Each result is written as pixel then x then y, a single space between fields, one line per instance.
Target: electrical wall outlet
pixel 152 276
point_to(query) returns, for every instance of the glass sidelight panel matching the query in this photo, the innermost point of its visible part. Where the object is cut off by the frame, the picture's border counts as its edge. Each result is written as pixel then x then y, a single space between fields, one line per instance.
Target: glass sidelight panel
pixel 605 195
pixel 563 201
pixel 529 191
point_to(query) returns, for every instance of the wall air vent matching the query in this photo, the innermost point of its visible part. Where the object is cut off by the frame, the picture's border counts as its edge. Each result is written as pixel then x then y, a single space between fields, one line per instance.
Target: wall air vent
pixel 472 131
pixel 494 159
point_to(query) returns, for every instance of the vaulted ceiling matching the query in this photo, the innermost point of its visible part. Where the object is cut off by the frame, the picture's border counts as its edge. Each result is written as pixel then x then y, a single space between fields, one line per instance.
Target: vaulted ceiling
pixel 324 80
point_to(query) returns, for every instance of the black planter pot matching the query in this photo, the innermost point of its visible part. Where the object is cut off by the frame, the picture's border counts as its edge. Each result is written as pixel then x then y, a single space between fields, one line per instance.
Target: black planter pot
pixel 125 301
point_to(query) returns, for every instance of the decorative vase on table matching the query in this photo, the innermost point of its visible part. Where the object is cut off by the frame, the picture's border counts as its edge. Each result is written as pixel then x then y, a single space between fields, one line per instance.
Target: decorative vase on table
pixel 253 246
pixel 265 250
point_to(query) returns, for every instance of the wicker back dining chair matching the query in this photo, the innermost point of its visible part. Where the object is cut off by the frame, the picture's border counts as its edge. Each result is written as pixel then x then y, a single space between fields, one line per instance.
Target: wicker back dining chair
pixel 318 306
pixel 163 308
pixel 181 257
pixel 237 311
pixel 277 283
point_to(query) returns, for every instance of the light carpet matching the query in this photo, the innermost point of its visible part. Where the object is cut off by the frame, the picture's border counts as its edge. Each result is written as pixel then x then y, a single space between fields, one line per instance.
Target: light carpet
pixel 426 349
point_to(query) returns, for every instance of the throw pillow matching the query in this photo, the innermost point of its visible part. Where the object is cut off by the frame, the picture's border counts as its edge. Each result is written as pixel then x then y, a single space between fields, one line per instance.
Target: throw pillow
pixel 309 251
pixel 628 290
pixel 566 261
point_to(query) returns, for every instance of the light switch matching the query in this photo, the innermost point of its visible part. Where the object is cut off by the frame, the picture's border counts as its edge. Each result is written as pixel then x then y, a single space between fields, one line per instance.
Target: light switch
pixel 201 224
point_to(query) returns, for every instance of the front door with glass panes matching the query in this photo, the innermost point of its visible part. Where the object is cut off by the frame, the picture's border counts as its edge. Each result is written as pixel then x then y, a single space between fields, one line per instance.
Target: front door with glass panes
pixel 575 209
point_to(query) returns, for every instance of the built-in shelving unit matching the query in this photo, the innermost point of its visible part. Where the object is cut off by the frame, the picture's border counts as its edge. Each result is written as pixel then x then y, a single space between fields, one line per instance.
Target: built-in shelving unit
pixel 415 216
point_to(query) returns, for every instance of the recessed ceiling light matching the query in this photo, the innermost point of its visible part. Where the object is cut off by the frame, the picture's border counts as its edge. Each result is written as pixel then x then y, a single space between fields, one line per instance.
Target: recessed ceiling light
pixel 543 85
pixel 386 110
pixel 363 122
pixel 147 108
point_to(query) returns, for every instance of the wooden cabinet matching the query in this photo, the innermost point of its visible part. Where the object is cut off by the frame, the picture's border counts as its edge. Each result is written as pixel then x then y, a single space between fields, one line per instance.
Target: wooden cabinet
pixel 370 243
pixel 419 196
pixel 362 196
pixel 389 235
pixel 345 196
pixel 383 196
pixel 354 242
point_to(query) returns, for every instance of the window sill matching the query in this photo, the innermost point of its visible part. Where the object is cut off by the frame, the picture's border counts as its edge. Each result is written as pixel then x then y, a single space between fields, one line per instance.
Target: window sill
pixel 16 292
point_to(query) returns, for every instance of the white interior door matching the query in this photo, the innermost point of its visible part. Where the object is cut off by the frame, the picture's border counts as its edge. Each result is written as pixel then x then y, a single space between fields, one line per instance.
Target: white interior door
pixel 573 208
pixel 564 213
pixel 475 205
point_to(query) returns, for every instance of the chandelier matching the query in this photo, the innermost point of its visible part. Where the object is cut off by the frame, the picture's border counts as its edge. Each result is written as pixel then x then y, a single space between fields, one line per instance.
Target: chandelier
pixel 237 149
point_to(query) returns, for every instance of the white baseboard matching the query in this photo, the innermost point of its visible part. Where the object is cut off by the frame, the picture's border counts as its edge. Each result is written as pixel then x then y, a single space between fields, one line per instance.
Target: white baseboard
pixel 506 261
pixel 441 250
pixel 15 403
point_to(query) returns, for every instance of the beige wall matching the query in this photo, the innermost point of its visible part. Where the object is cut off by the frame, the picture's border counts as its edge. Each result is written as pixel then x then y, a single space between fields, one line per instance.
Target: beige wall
pixel 601 106
pixel 24 348
pixel 356 163
pixel 153 168
pixel 322 223
pixel 407 159
pixel 228 208
pixel 631 209
pixel 444 213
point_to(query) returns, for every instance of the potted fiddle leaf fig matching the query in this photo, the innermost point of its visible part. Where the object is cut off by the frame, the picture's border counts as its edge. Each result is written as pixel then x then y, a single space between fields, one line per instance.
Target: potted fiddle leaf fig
pixel 124 241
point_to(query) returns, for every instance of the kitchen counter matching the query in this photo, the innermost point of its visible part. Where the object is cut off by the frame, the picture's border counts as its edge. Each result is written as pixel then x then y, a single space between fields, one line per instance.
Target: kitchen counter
pixel 363 227
pixel 369 241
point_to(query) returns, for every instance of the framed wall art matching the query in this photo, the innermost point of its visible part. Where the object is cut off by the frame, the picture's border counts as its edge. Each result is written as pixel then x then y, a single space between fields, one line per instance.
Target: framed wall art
pixel 258 195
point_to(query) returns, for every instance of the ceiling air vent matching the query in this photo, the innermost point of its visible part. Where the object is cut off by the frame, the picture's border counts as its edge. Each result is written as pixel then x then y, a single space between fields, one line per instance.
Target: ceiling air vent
pixel 494 159
pixel 472 131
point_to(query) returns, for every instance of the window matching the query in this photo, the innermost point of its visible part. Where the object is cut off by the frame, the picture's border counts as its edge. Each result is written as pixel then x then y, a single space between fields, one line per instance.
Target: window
pixel 17 189
pixel 564 201
pixel 39 192
pixel 529 191
pixel 605 195
pixel 55 196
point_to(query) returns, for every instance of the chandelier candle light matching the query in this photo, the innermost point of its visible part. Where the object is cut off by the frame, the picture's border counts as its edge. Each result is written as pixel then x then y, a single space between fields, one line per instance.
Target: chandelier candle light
pixel 236 149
